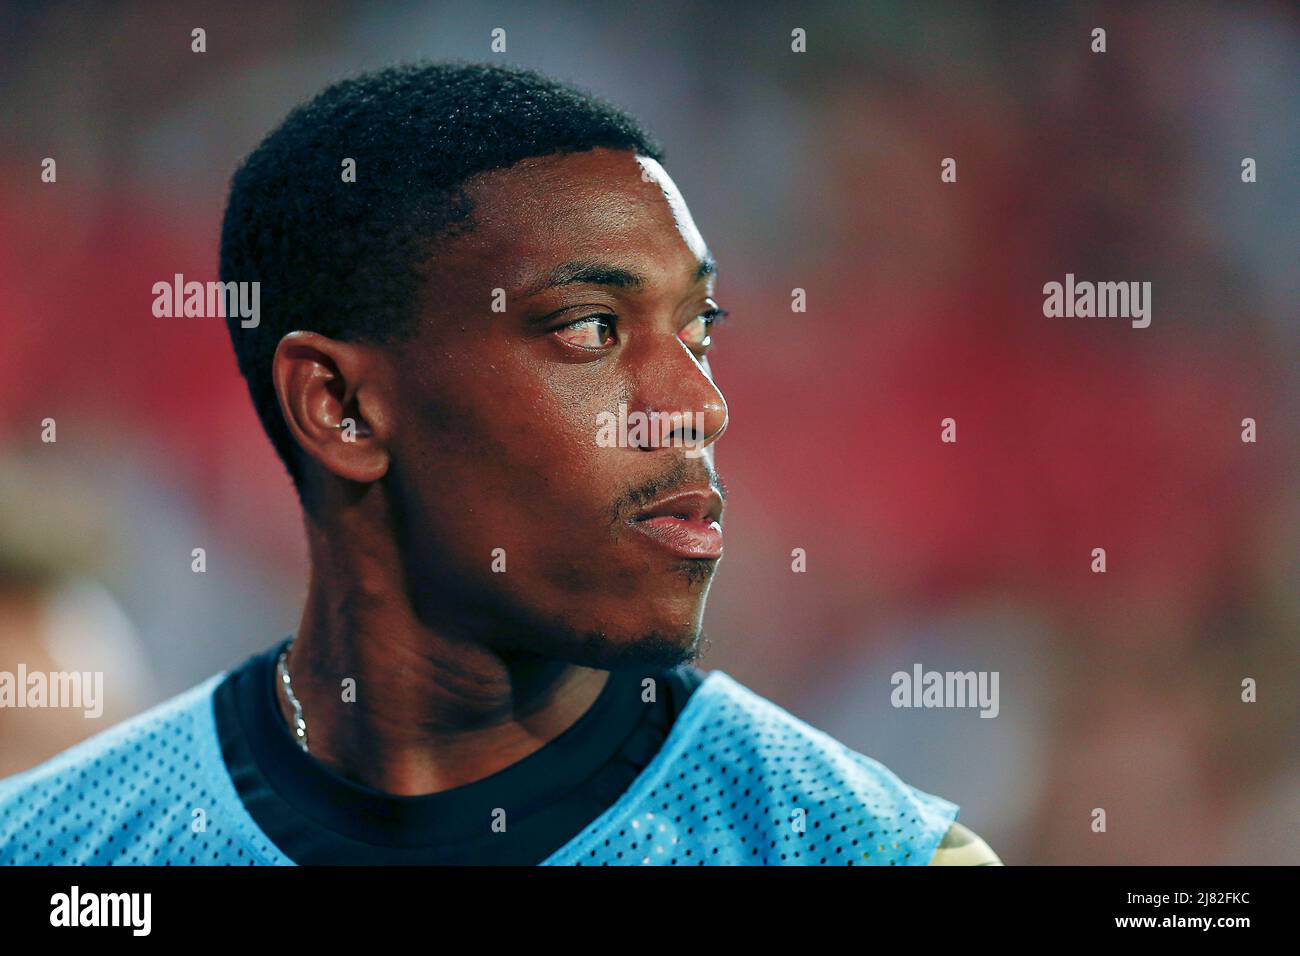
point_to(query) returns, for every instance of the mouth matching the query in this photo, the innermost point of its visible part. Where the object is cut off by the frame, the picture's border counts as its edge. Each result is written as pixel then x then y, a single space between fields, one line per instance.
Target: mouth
pixel 687 523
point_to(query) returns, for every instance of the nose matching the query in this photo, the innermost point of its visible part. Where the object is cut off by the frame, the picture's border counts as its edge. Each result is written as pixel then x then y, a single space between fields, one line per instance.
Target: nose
pixel 676 391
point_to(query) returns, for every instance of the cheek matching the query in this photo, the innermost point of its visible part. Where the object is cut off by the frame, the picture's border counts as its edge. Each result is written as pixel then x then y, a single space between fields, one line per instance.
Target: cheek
pixel 509 460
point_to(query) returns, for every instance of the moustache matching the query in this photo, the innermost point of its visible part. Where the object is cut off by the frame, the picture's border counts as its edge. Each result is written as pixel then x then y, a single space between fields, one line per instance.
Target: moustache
pixel 685 473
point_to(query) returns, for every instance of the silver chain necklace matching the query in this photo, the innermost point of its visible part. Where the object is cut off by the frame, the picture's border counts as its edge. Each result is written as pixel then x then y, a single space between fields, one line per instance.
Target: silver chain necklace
pixel 299 725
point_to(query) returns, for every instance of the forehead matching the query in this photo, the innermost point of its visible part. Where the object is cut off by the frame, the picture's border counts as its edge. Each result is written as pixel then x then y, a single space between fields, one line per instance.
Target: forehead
pixel 602 204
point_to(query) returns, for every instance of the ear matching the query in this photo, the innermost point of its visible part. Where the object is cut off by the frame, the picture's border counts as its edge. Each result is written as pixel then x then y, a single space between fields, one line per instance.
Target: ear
pixel 323 383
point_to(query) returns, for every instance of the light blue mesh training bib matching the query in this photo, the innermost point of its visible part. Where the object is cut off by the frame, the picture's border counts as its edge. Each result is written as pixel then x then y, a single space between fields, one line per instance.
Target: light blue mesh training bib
pixel 738 781
pixel 742 781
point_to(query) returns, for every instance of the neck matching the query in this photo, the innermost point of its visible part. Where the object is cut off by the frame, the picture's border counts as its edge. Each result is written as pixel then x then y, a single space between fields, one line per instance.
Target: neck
pixel 427 711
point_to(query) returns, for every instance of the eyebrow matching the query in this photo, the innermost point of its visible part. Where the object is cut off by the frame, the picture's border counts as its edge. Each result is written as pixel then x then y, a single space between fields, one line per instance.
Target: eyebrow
pixel 598 273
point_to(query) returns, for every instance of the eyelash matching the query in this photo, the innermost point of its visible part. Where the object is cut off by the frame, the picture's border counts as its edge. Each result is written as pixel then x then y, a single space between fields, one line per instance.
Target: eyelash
pixel 718 317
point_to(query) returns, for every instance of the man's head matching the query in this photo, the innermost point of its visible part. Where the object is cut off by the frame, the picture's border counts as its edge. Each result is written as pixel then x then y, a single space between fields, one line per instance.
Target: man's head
pixel 446 336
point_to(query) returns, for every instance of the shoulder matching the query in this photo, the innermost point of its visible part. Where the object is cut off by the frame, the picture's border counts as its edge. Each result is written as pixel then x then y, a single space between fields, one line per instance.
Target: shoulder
pixel 177 718
pixel 839 789
pixel 118 796
pixel 963 847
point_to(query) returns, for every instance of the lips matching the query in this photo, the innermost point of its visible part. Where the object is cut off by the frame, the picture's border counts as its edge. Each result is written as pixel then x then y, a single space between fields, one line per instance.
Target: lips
pixel 687 523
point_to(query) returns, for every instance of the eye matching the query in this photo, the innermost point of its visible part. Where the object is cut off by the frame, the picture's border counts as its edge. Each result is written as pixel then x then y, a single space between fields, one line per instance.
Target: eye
pixel 595 332
pixel 697 332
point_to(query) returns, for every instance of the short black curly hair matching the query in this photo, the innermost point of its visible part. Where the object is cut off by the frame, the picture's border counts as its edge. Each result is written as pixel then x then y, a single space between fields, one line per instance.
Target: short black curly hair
pixel 344 258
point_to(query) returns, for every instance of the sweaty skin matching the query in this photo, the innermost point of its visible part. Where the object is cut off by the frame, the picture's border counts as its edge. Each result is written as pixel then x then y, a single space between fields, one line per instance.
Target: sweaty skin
pixel 962 847
pixel 475 443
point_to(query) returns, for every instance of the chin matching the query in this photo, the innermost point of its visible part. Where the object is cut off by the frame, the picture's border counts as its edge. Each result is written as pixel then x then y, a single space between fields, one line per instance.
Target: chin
pixel 647 629
pixel 645 650
pixel 698 573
